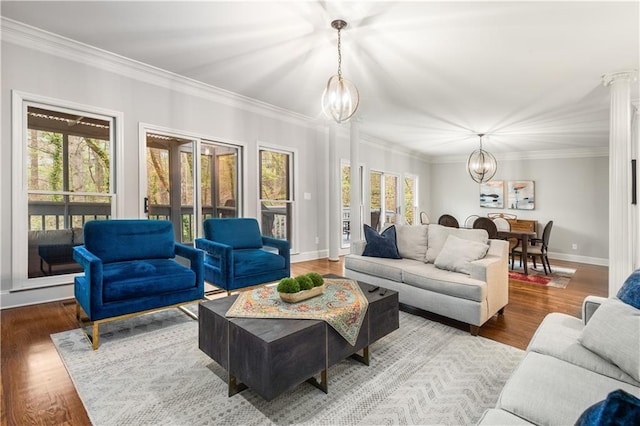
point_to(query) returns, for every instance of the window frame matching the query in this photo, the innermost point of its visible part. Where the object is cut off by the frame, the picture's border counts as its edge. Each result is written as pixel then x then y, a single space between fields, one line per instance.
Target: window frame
pixel 293 187
pixel 20 102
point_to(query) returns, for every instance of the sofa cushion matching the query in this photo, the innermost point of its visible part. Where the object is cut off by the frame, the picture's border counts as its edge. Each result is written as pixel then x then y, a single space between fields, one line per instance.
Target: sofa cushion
pixel 630 291
pixel 428 277
pixel 457 253
pixel 620 408
pixel 496 417
pixel 548 391
pixel 390 269
pixel 613 332
pixel 437 236
pixel 381 245
pixel 412 241
pixel 130 279
pixel 558 336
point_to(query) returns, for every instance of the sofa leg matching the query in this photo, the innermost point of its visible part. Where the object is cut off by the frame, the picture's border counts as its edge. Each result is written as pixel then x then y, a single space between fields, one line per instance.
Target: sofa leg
pixel 474 330
pixel 501 311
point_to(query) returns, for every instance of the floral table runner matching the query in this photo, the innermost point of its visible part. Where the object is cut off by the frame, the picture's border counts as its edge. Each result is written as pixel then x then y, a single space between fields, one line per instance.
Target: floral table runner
pixel 342 305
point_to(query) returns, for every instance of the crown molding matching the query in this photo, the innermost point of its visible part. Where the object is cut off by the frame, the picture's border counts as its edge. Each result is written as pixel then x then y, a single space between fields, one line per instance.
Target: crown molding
pixel 37 39
pixel 530 155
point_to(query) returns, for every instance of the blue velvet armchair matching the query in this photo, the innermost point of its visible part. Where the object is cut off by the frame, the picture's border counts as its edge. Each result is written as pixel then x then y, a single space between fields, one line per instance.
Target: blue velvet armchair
pixel 129 269
pixel 235 256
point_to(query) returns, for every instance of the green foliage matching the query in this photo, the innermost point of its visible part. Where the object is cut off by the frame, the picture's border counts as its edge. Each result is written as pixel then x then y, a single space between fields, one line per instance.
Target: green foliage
pixel 316 278
pixel 304 282
pixel 288 285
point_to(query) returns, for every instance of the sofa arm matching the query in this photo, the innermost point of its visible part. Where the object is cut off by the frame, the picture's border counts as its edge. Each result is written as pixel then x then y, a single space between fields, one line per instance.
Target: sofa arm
pixel 589 306
pixel 92 266
pixel 196 261
pixel 220 251
pixel 357 247
pixel 283 246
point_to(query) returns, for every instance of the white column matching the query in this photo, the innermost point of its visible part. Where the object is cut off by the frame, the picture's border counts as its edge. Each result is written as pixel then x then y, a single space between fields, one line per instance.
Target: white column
pixel 355 196
pixel 335 219
pixel 620 226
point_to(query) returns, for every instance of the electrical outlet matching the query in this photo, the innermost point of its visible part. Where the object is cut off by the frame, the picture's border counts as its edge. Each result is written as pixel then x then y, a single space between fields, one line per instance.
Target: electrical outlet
pixel 574 246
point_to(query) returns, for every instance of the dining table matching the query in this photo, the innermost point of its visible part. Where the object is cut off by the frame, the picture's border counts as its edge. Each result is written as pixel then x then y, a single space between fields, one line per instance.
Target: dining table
pixel 523 236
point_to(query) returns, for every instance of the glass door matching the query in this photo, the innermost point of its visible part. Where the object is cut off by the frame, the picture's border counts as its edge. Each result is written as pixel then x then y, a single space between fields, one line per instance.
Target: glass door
pixel 170 183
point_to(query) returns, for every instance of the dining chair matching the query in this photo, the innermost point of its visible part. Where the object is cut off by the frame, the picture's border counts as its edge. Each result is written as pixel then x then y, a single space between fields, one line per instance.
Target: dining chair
pixel 504 225
pixel 468 222
pixel 448 220
pixel 424 218
pixel 535 251
pixel 488 225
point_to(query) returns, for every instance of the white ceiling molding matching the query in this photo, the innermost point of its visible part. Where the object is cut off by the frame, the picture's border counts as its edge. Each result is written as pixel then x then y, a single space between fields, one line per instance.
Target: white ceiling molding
pixel 531 155
pixel 34 38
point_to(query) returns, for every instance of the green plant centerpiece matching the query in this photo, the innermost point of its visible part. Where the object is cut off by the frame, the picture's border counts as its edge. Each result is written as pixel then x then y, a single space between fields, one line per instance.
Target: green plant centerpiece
pixel 301 288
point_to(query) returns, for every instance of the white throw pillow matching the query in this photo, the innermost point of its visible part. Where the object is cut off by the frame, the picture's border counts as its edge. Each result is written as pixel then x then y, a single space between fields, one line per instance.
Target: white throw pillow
pixel 437 236
pixel 412 241
pixel 457 254
pixel 613 332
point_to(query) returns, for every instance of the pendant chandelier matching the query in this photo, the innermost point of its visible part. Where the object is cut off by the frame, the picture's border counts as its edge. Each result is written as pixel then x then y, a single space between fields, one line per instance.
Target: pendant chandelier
pixel 340 98
pixel 482 165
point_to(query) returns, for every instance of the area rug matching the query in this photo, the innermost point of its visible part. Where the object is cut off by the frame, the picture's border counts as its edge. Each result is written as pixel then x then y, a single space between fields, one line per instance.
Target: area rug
pixel 149 370
pixel 559 277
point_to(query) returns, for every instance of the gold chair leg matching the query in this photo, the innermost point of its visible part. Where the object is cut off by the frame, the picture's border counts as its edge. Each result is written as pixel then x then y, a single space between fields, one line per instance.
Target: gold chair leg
pixel 96 336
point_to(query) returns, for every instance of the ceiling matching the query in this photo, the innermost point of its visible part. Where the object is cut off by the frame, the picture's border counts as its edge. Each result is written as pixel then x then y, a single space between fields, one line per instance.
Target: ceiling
pixel 431 75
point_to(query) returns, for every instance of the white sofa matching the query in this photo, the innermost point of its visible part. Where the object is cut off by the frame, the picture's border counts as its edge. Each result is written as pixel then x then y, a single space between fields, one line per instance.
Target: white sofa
pixel 566 368
pixel 426 278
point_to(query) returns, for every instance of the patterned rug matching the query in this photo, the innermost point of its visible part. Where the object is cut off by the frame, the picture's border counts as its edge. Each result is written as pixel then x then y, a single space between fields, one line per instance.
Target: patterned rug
pixel 149 370
pixel 342 305
pixel 559 276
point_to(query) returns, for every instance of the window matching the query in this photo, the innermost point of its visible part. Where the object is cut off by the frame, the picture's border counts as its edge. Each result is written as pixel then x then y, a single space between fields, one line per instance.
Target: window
pixel 375 198
pixel 64 160
pixel 391 198
pixel 276 194
pixel 410 199
pixel 345 210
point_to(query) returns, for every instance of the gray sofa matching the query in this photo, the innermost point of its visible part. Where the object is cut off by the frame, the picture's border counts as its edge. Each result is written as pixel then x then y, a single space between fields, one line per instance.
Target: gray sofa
pixel 569 366
pixel 436 275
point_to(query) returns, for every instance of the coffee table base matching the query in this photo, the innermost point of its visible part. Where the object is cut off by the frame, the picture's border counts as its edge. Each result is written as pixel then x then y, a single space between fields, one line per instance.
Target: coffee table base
pixel 258 352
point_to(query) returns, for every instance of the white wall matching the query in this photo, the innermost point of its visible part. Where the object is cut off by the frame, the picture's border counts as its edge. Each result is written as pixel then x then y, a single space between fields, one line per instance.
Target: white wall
pixel 59 69
pixel 573 192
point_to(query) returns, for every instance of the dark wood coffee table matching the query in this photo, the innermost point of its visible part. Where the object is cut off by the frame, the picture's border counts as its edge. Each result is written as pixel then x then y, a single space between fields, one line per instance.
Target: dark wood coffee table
pixel 272 356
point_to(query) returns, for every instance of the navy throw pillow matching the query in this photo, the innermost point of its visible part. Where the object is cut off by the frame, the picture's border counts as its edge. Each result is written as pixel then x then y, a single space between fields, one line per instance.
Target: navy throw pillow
pixel 381 245
pixel 620 408
pixel 629 293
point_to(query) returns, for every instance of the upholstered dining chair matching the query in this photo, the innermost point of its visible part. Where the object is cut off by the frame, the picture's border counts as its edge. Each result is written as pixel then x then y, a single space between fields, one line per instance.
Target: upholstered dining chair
pixel 488 225
pixel 235 256
pixel 448 220
pixel 537 249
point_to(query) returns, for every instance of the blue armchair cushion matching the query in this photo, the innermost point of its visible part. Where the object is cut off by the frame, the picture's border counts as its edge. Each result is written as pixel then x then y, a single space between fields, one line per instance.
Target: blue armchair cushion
pixel 124 239
pixel 251 261
pixel 239 233
pixel 127 280
pixel 629 293
pixel 381 245
pixel 620 408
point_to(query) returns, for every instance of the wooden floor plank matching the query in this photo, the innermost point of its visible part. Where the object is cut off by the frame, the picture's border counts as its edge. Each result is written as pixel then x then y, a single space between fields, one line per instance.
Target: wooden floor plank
pixel 36 389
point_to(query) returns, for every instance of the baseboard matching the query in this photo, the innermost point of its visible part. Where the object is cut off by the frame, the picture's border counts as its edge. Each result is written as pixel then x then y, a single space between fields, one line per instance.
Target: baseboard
pixel 579 259
pixel 15 299
pixel 309 255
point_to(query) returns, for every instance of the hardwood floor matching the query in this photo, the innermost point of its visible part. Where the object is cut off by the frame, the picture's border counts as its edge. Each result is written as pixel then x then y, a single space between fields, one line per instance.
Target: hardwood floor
pixel 36 389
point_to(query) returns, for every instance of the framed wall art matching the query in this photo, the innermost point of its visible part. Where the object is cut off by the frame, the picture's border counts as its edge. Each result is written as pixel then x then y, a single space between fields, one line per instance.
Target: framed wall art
pixel 492 194
pixel 520 194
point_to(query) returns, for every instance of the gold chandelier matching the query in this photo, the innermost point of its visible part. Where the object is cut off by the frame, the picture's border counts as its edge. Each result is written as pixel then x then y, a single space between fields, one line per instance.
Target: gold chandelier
pixel 482 165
